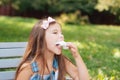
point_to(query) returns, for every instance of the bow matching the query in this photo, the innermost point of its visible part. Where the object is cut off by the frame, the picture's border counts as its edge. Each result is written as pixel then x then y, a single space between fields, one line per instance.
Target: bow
pixel 46 23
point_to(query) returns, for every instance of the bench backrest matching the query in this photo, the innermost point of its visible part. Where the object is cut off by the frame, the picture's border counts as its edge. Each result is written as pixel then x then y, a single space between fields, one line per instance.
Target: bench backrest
pixel 10 56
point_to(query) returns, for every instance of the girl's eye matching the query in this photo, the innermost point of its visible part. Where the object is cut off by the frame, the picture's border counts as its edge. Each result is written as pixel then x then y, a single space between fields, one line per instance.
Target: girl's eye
pixel 55 32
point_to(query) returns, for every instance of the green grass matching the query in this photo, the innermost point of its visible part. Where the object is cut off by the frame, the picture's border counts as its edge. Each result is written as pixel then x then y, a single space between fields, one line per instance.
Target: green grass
pixel 99 45
pixel 15 29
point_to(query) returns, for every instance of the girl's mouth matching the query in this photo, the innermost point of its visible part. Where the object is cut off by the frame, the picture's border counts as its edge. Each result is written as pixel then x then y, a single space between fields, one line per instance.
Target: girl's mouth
pixel 62 44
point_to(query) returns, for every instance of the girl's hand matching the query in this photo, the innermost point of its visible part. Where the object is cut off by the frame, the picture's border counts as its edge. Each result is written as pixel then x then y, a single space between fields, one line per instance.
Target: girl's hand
pixel 73 49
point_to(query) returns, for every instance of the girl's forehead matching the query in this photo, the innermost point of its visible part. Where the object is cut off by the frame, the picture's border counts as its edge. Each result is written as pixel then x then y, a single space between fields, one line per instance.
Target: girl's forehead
pixel 54 27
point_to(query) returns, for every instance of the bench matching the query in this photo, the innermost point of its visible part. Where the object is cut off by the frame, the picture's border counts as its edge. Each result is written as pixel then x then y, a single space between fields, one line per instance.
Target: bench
pixel 10 56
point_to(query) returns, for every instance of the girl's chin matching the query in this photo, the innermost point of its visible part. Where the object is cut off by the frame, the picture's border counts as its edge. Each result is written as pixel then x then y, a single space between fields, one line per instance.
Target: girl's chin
pixel 58 53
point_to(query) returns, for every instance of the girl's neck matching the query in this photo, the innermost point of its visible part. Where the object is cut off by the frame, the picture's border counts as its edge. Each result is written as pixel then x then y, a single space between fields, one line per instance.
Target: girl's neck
pixel 49 56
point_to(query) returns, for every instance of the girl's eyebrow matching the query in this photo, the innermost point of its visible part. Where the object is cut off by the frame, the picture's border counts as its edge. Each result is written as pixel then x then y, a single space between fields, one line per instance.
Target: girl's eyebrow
pixel 54 30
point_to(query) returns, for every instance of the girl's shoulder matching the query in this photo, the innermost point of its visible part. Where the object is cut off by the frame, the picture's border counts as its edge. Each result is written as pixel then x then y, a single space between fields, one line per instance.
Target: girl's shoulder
pixel 25 71
pixel 26 67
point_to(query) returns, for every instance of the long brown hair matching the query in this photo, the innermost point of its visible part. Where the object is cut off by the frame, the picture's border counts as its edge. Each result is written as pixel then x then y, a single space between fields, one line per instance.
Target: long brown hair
pixel 36 47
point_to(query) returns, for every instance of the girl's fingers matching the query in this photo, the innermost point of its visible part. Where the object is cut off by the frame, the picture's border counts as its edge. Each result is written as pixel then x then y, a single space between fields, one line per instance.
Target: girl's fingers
pixel 73 49
pixel 71 45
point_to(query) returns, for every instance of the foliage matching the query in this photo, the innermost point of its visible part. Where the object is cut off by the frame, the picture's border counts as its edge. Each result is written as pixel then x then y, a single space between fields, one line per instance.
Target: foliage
pixel 112 6
pixel 51 6
pixel 99 45
pixel 55 8
pixel 73 18
pixel 3 2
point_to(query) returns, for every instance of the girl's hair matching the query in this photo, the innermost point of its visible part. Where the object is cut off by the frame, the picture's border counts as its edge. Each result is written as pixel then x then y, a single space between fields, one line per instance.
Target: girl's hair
pixel 36 47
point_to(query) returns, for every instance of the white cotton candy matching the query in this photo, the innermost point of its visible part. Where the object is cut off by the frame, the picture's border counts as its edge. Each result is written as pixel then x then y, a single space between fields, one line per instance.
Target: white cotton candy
pixel 63 44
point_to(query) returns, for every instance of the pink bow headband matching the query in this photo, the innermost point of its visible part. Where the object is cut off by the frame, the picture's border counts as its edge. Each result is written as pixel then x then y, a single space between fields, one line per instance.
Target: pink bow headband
pixel 46 23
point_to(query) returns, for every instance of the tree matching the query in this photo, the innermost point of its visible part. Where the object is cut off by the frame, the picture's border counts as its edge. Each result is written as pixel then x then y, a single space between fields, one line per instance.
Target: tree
pixel 113 6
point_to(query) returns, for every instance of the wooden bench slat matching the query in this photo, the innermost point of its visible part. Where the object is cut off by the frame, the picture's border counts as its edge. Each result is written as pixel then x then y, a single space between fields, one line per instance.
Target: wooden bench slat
pixel 7 75
pixel 10 49
pixel 9 63
pixel 11 52
pixel 12 44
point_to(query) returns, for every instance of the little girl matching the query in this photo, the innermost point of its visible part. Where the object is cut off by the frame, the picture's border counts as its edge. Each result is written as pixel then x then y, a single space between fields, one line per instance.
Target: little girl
pixel 43 58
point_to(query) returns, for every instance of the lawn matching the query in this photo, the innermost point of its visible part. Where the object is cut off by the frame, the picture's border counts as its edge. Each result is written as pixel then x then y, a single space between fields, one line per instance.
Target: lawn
pixel 99 45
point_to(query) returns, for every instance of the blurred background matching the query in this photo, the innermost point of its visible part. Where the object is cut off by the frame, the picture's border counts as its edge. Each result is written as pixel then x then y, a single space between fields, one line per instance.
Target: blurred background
pixel 93 11
pixel 93 25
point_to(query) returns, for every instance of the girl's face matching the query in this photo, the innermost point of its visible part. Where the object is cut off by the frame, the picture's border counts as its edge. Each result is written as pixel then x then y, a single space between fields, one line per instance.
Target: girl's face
pixel 52 35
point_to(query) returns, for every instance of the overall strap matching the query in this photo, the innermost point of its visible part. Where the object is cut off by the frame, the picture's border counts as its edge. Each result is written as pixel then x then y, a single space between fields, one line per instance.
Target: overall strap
pixel 55 63
pixel 34 67
pixel 53 74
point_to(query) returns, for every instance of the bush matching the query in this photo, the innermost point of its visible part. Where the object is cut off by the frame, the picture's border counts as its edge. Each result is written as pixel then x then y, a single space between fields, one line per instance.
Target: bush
pixel 73 18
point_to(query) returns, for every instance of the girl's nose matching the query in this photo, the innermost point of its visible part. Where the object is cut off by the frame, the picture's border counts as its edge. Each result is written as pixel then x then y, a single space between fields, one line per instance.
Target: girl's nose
pixel 61 37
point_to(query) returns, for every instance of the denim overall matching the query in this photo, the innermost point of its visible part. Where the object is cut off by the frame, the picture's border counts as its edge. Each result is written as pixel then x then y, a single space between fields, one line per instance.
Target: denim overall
pixel 36 75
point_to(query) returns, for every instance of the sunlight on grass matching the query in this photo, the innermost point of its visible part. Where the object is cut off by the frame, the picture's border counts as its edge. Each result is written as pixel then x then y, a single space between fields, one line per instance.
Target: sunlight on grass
pixel 116 53
pixel 80 45
pixel 23 22
pixel 15 27
pixel 102 76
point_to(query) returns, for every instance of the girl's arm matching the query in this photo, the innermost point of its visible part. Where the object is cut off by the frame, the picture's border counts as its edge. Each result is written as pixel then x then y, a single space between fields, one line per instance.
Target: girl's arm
pixel 80 71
